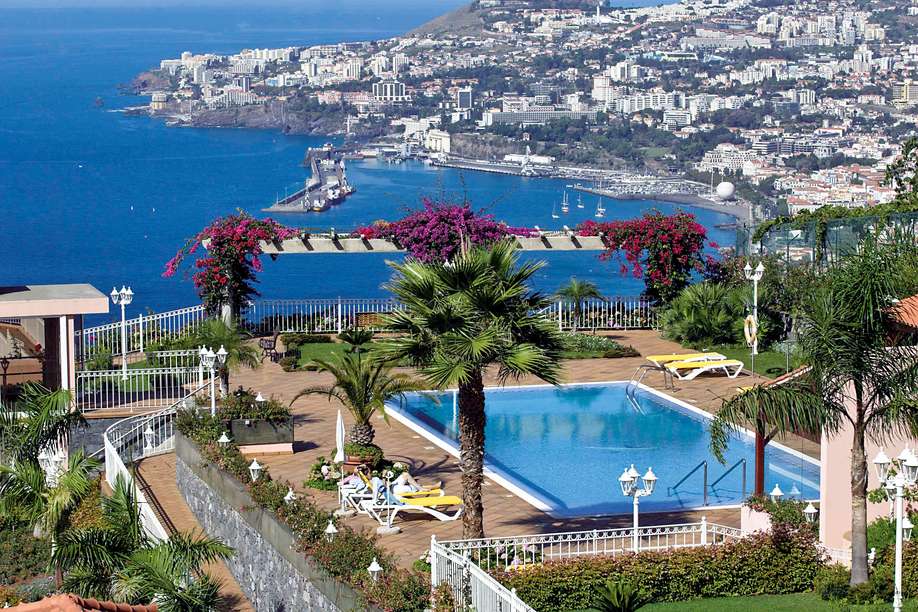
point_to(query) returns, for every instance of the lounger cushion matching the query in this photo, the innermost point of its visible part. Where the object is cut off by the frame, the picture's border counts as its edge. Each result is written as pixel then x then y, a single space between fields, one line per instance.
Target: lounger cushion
pixel 439 500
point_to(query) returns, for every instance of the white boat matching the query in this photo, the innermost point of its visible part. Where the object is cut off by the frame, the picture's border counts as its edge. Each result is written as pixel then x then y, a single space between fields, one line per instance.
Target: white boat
pixel 564 206
pixel 579 201
pixel 554 212
pixel 600 210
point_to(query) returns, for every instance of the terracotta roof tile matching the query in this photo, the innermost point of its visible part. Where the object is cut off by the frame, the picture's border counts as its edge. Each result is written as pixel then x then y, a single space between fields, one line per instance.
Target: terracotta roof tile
pixel 905 312
pixel 73 603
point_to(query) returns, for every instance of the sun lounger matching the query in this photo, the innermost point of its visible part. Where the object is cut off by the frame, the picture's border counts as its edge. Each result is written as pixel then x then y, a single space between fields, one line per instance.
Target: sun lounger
pixel 660 360
pixel 687 370
pixel 384 506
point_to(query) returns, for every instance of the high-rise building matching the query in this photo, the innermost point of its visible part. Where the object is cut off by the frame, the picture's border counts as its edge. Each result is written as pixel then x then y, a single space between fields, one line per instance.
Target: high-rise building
pixel 906 93
pixel 390 90
pixel 399 62
pixel 353 68
pixel 465 98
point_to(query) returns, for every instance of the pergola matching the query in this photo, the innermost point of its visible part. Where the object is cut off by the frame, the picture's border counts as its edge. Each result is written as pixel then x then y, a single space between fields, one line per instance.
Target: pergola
pixel 45 317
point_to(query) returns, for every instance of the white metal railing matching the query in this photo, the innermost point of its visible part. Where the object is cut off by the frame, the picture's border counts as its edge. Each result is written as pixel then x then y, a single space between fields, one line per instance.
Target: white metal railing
pixel 143 390
pixel 331 316
pixel 141 331
pixel 185 358
pixel 137 437
pixel 317 316
pixel 472 587
pixel 466 564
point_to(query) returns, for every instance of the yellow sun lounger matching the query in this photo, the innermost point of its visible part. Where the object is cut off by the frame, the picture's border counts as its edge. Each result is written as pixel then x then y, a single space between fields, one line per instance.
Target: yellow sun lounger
pixel 432 501
pixel 659 360
pixel 691 369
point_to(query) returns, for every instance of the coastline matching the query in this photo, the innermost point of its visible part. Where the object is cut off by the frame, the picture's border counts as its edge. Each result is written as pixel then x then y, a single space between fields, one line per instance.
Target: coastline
pixel 738 209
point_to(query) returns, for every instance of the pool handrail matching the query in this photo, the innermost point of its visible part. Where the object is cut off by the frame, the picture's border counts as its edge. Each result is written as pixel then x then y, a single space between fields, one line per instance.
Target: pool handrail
pixel 727 473
pixel 704 464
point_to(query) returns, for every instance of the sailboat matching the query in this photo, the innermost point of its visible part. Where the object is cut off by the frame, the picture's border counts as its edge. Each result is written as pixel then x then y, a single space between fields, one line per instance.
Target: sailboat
pixel 600 210
pixel 564 205
pixel 579 201
pixel 554 212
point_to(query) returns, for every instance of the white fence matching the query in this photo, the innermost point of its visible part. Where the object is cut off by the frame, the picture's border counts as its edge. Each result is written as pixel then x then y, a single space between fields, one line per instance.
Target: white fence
pixel 465 564
pixel 141 331
pixel 331 316
pixel 134 438
pixel 143 389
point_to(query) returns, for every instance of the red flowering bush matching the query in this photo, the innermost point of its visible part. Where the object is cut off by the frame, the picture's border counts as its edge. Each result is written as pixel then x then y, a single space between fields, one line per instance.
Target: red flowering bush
pixel 435 233
pixel 664 250
pixel 226 272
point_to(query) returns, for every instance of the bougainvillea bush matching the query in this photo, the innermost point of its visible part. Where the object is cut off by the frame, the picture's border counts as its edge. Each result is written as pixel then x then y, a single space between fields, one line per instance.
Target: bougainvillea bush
pixel 225 270
pixel 435 233
pixel 664 250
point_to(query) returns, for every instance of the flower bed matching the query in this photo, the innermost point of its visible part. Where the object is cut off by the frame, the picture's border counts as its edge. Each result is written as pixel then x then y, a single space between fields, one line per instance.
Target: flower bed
pixel 783 561
pixel 345 557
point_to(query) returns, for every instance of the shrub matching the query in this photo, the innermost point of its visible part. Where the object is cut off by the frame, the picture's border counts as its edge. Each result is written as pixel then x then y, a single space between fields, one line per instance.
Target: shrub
pixel 294 340
pixel 241 404
pixel 22 556
pixel 577 344
pixel 400 591
pixel 705 314
pixel 372 454
pixel 861 594
pixel 831 582
pixel 882 582
pixel 881 535
pixel 787 512
pixel 619 596
pixel 783 561
pixel 100 360
pixel 9 597
pixel 288 364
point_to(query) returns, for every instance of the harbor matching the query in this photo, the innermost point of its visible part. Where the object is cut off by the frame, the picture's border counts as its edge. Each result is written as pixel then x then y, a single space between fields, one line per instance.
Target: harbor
pixel 327 185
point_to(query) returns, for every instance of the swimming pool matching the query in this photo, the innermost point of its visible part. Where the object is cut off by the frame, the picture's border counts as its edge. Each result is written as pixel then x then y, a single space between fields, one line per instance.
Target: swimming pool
pixel 563 449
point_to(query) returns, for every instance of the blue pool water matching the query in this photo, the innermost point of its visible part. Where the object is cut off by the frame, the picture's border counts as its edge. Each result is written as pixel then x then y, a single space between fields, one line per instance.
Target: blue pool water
pixel 566 447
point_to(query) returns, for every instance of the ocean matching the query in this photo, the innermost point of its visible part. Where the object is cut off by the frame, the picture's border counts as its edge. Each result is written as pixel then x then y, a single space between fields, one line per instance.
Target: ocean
pixel 91 195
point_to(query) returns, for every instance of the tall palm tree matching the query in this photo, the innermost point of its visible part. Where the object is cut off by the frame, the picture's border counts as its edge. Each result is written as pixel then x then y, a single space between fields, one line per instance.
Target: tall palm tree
pixel 363 385
pixel 855 380
pixel 214 333
pixel 90 556
pixel 459 318
pixel 170 574
pixel 27 496
pixel 578 291
pixel 38 422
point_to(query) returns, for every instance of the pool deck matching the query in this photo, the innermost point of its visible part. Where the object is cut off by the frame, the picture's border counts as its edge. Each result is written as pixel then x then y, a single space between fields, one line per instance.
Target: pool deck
pixel 505 513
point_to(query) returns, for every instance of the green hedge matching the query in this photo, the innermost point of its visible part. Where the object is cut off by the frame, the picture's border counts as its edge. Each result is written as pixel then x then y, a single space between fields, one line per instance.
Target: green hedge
pixel 22 556
pixel 784 561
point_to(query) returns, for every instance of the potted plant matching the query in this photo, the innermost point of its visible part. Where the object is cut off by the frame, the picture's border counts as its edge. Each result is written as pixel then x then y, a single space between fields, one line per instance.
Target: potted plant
pixel 364 385
pixel 255 421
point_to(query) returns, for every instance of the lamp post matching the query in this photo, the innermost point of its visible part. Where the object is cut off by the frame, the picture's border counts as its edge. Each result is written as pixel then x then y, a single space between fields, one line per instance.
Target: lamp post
pixel 895 484
pixel 123 298
pixel 755 276
pixel 629 483
pixel 210 360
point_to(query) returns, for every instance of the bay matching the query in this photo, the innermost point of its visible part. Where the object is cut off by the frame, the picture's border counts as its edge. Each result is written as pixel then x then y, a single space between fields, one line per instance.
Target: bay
pixel 88 194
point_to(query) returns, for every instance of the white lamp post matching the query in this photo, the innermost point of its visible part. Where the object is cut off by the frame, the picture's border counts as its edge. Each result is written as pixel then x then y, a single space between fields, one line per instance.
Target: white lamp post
pixel 895 485
pixel 123 298
pixel 223 440
pixel 755 276
pixel 375 569
pixel 776 493
pixel 629 484
pixel 148 435
pixel 255 470
pixel 810 513
pixel 330 532
pixel 290 496
pixel 208 359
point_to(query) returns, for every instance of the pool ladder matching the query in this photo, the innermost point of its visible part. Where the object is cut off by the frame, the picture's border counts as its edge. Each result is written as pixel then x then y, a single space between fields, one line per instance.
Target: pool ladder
pixel 704 465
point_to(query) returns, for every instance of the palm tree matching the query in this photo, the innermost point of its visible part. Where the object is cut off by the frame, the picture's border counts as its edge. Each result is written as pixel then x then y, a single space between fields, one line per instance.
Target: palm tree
pixel 578 291
pixel 170 574
pixel 90 556
pixel 363 385
pixel 856 379
pixel 459 318
pixel 38 422
pixel 214 333
pixel 27 496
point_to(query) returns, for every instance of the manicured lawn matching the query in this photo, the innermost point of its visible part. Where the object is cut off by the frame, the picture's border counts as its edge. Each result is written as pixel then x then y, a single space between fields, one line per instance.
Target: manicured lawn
pixel 770 364
pixel 320 350
pixel 800 602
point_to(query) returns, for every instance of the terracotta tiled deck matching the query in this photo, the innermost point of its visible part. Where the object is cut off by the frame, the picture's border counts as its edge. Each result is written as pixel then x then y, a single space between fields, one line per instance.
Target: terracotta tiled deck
pixel 505 514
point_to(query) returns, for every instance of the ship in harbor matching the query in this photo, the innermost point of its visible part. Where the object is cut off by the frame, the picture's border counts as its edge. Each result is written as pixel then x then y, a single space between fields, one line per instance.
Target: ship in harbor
pixel 326 186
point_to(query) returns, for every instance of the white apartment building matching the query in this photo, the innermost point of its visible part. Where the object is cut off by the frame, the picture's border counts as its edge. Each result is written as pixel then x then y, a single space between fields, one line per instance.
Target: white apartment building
pixel 390 90
pixel 726 157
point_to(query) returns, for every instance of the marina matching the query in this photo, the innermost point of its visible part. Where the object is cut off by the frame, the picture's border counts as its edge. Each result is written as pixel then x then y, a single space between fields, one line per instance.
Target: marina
pixel 326 186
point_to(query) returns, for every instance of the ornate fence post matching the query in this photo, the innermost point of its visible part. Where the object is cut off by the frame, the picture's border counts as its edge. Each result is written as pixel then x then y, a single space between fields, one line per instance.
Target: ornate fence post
pixel 340 329
pixel 560 316
pixel 704 530
pixel 140 327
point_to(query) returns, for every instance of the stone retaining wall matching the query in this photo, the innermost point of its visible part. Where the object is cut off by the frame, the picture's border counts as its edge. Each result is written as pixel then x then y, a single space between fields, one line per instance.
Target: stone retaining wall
pixel 272 574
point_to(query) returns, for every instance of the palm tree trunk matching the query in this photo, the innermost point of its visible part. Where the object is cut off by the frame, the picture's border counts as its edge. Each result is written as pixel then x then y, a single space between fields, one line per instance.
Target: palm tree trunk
pixel 858 506
pixel 759 461
pixel 472 418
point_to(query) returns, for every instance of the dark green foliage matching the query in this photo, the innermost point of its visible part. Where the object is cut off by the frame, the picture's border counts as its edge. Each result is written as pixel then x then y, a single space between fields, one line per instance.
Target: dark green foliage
pixel 293 340
pixel 22 556
pixel 705 314
pixel 787 512
pixel 580 346
pixel 779 562
pixel 371 453
pixel 832 582
pixel 241 404
pixel 100 360
pixel 881 535
pixel 619 596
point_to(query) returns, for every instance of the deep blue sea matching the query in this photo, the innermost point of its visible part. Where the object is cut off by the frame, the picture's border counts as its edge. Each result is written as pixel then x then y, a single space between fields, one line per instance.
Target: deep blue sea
pixel 88 194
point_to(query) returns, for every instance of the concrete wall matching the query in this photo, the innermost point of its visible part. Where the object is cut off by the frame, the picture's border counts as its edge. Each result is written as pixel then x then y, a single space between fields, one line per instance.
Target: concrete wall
pixel 272 574
pixel 835 484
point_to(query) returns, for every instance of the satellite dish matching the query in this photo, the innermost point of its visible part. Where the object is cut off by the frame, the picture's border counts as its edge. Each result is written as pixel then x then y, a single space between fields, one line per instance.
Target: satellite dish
pixel 725 190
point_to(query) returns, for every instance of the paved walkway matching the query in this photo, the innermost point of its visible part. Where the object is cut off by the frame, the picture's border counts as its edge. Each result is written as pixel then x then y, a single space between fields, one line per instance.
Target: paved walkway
pixel 505 513
pixel 159 473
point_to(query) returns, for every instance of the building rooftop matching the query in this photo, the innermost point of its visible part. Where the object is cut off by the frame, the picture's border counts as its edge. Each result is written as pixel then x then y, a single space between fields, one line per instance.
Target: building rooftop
pixel 51 300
